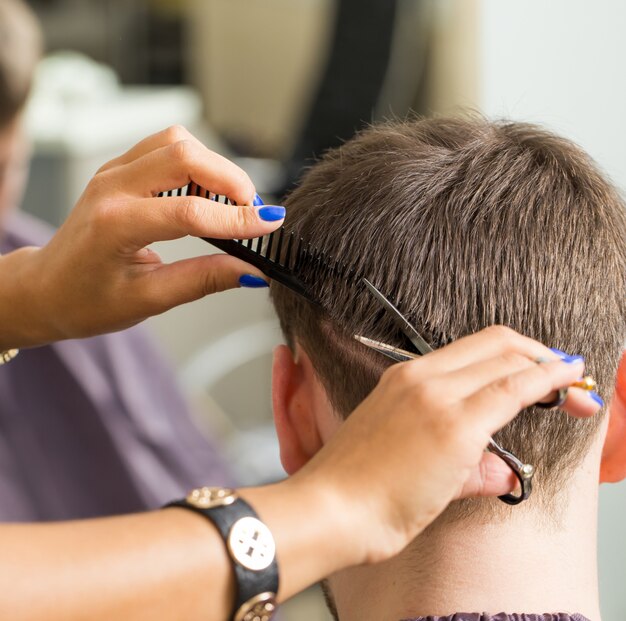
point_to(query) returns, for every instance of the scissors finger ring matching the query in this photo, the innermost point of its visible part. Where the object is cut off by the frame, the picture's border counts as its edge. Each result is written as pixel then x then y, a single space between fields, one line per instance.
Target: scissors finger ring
pixel 558 401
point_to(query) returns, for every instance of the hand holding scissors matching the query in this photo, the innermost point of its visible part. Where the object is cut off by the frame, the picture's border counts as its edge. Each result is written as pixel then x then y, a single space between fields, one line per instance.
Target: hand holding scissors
pixel 523 472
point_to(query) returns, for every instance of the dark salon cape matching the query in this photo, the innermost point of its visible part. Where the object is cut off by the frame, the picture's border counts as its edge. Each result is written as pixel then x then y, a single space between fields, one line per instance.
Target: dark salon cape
pixel 95 426
pixel 464 616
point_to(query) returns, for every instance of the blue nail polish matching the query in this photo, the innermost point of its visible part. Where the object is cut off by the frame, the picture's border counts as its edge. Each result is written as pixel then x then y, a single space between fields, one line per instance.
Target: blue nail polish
pixel 252 282
pixel 573 359
pixel 597 398
pixel 257 200
pixel 272 214
pixel 566 357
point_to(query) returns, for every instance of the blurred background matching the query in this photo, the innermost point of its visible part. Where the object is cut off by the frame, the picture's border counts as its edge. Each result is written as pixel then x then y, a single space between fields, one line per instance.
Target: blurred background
pixel 274 83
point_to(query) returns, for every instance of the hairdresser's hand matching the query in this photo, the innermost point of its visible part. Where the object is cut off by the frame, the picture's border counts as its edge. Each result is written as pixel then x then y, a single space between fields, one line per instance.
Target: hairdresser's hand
pixel 97 274
pixel 417 442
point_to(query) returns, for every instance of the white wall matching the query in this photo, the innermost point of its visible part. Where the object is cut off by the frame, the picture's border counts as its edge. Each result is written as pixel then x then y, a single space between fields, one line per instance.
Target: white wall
pixel 561 63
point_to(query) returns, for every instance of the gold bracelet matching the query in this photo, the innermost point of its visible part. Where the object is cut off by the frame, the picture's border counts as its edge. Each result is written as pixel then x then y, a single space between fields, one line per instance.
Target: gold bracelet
pixel 7 356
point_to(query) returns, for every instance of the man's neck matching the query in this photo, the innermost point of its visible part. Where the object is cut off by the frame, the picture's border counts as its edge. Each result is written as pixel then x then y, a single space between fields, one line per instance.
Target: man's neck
pixel 521 564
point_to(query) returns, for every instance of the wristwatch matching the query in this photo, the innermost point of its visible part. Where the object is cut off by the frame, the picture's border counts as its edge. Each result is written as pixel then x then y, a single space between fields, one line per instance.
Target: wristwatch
pixel 250 546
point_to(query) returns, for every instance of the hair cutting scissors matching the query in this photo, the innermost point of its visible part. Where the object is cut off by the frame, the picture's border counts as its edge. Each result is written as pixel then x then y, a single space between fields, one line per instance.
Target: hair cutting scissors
pixel 523 472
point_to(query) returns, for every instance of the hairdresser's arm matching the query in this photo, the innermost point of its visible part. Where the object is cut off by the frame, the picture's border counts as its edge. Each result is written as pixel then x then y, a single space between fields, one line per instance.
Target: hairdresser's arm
pixel 407 450
pixel 96 275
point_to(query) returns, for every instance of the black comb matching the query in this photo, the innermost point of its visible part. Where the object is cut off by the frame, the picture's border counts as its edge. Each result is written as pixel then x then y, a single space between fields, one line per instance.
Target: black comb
pixel 281 255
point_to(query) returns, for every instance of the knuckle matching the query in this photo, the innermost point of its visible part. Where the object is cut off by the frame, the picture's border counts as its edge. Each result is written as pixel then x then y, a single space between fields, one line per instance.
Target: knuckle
pixel 233 221
pixel 510 386
pixel 176 133
pixel 429 393
pixel 243 218
pixel 210 283
pixel 501 332
pixel 106 166
pixel 189 213
pixel 388 376
pixel 101 181
pixel 514 360
pixel 507 384
pixel 401 373
pixel 180 150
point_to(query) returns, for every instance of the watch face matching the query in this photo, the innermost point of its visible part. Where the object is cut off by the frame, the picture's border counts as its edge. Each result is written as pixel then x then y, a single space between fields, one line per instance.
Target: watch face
pixel 251 544
pixel 209 497
pixel 260 608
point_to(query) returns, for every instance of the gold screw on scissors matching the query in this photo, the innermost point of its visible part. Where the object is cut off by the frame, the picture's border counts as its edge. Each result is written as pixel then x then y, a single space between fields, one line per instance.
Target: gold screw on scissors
pixel 586 383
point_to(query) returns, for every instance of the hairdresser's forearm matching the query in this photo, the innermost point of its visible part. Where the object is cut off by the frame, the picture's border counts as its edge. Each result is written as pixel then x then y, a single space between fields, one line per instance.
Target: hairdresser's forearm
pixel 165 565
pixel 23 317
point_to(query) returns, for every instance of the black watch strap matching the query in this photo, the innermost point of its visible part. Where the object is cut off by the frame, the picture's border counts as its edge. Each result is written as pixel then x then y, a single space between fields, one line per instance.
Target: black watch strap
pixel 250 546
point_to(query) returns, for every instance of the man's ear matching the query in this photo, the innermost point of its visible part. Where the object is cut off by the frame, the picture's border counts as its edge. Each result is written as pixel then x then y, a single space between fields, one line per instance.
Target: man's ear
pixel 294 398
pixel 613 464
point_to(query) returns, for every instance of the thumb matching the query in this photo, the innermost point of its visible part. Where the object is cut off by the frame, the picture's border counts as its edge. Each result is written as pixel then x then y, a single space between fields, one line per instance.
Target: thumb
pixel 191 279
pixel 491 477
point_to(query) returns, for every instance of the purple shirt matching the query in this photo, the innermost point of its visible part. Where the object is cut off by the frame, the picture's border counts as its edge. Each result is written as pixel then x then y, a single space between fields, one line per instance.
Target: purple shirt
pixel 95 426
pixel 476 616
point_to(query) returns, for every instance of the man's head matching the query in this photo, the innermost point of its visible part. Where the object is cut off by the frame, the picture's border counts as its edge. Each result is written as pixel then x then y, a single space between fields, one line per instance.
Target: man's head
pixel 20 48
pixel 463 223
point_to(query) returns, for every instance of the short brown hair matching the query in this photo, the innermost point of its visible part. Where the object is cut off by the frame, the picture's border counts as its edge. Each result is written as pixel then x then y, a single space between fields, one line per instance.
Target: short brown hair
pixel 20 49
pixel 465 223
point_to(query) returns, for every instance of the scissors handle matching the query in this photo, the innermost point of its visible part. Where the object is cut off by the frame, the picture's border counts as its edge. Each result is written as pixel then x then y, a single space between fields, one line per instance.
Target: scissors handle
pixel 523 472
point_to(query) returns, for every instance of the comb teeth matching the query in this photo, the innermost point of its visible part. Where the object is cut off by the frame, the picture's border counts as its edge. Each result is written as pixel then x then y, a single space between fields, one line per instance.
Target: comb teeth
pixel 285 263
pixel 193 189
pixel 268 247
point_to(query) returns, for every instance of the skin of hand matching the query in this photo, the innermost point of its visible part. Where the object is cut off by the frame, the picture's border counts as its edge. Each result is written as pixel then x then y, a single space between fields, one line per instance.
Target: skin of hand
pixel 98 275
pixel 404 453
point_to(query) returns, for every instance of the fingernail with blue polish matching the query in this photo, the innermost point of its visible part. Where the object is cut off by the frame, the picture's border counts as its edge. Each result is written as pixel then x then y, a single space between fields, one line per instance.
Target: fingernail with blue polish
pixel 597 398
pixel 257 200
pixel 252 282
pixel 272 214
pixel 566 357
pixel 573 359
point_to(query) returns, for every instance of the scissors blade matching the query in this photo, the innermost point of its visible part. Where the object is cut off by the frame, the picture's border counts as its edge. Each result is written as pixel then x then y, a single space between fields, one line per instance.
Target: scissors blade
pixel 411 333
pixel 395 353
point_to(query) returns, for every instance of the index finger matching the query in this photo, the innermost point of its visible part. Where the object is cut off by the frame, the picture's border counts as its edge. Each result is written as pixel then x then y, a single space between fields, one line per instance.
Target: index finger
pixel 172 134
pixel 488 343
pixel 174 165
